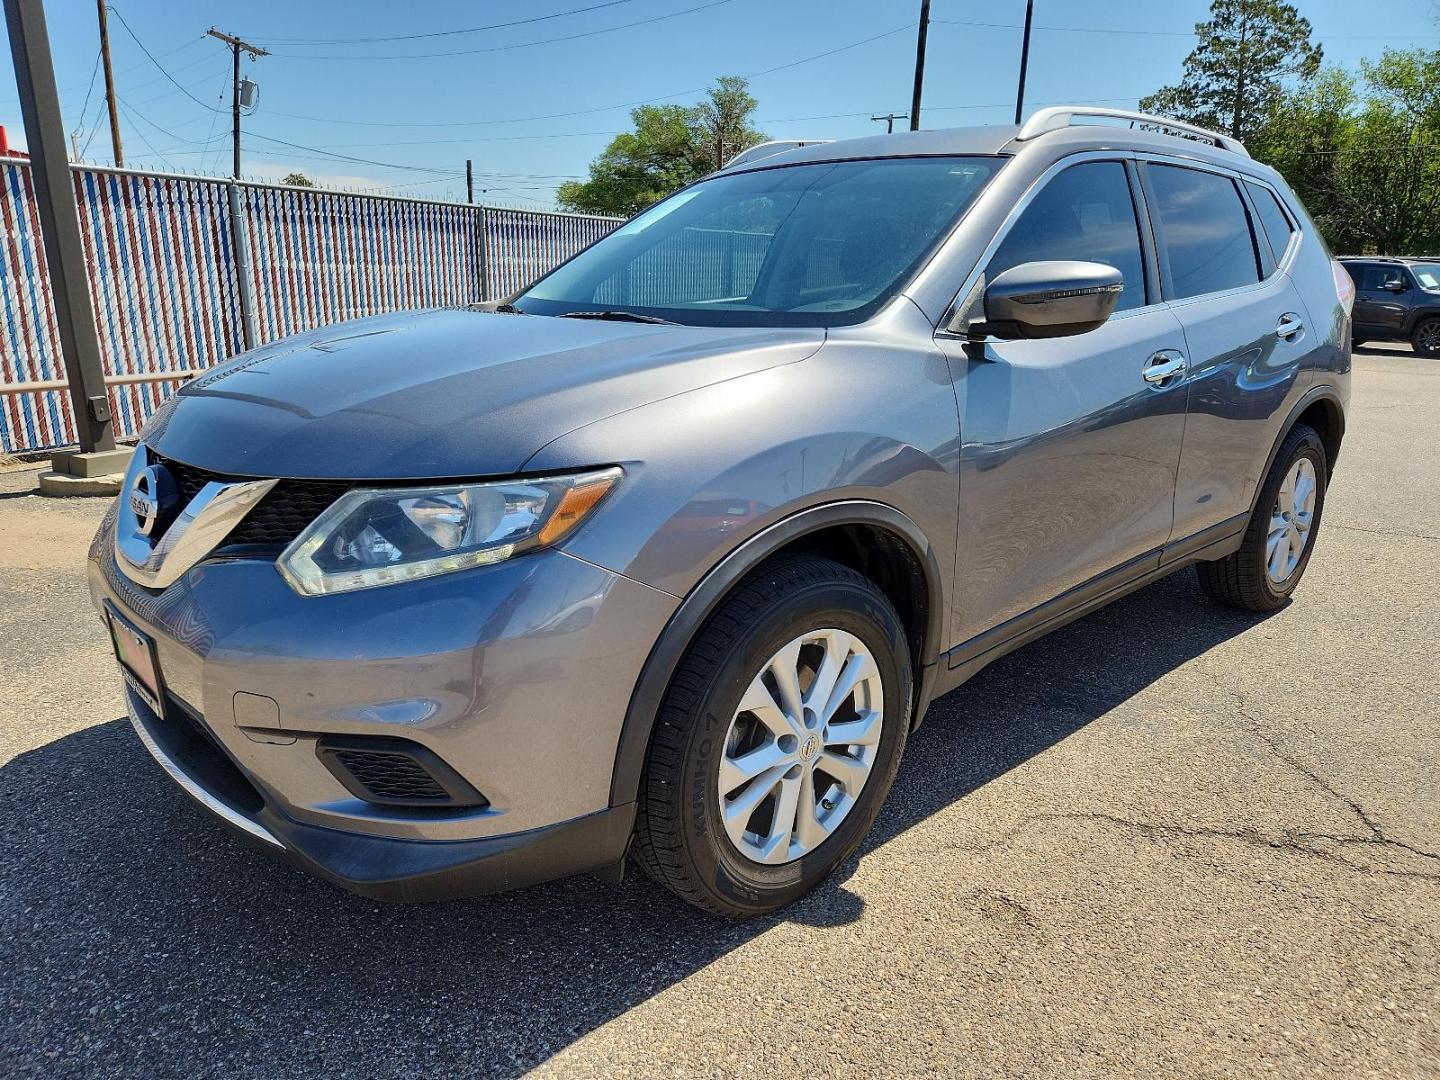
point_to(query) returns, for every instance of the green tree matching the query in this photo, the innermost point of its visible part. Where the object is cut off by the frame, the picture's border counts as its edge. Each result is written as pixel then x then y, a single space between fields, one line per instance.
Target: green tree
pixel 1247 53
pixel 1365 157
pixel 723 120
pixel 670 146
pixel 298 179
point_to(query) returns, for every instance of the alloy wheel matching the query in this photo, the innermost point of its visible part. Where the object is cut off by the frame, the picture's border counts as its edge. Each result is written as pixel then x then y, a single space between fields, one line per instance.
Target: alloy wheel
pixel 1291 521
pixel 1428 337
pixel 801 745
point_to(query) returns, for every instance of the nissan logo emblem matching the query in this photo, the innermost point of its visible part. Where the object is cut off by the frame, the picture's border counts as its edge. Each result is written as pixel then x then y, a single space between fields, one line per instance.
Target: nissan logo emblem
pixel 152 495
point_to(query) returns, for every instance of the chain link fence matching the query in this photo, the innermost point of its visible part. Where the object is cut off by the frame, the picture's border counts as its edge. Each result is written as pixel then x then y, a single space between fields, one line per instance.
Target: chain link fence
pixel 168 294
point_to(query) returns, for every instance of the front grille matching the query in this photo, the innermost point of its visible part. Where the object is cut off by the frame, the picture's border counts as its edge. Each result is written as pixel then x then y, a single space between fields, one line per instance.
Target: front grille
pixel 278 518
pixel 395 772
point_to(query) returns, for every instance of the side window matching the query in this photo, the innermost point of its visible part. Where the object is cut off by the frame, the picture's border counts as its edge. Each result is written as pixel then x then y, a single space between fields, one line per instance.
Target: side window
pixel 1273 218
pixel 1085 213
pixel 1374 277
pixel 1205 230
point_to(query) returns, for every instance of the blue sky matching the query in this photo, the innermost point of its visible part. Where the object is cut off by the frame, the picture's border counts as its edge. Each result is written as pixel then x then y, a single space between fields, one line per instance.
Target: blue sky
pixel 531 115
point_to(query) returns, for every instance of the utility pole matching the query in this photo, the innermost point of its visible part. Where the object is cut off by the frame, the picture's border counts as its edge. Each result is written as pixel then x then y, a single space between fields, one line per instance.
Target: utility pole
pixel 110 87
pixel 1024 60
pixel 237 47
pixel 890 119
pixel 920 64
pixel 469 181
pixel 60 234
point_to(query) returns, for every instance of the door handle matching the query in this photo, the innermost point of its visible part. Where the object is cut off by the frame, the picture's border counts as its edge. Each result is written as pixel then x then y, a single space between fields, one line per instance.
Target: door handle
pixel 1164 369
pixel 1289 325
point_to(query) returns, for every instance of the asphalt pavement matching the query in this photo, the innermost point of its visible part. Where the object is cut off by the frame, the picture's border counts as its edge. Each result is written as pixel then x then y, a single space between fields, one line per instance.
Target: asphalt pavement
pixel 1167 841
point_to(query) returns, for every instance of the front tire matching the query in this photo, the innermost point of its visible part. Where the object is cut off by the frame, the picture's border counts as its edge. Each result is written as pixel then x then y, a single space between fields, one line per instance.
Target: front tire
pixel 1426 338
pixel 1281 534
pixel 777 741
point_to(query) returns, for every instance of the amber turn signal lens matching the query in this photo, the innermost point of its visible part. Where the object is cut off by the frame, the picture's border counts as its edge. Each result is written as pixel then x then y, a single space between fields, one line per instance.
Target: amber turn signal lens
pixel 573 508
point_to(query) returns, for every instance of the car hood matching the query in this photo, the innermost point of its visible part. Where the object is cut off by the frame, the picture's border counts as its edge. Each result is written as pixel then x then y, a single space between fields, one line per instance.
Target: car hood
pixel 449 393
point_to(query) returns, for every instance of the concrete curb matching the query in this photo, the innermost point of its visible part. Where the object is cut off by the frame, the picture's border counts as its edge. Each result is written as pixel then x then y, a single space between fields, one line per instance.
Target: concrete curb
pixel 61 484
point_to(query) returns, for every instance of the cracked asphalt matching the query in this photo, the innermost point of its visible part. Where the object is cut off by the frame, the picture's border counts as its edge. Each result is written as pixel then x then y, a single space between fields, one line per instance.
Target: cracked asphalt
pixel 1167 841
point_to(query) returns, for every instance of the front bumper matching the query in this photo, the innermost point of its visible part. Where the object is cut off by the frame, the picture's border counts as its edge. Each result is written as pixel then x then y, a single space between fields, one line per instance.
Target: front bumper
pixel 385 868
pixel 517 676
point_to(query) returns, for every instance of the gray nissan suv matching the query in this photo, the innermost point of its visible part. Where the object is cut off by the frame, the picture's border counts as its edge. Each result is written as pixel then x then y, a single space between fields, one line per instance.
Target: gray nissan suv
pixel 664 557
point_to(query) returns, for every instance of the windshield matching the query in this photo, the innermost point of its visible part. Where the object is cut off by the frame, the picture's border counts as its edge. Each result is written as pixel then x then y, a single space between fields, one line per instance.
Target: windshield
pixel 800 245
pixel 1428 274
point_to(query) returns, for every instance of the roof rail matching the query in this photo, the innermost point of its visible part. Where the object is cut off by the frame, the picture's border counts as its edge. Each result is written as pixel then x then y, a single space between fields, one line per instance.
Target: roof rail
pixel 767 149
pixel 1056 117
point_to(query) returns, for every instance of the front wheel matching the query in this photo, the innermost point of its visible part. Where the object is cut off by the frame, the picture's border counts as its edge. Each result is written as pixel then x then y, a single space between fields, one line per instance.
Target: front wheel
pixel 1281 534
pixel 777 741
pixel 1426 339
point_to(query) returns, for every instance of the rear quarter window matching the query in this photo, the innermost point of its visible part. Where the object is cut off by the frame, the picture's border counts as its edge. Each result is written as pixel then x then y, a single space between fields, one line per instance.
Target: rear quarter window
pixel 1273 218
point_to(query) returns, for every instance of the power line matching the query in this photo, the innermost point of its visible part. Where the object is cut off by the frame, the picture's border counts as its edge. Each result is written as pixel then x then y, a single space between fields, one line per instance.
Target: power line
pixel 345 157
pixel 209 135
pixel 116 12
pixel 171 93
pixel 1141 33
pixel 135 67
pixel 80 127
pixel 442 33
pixel 598 108
pixel 515 45
pixel 133 113
pixel 760 120
pixel 140 132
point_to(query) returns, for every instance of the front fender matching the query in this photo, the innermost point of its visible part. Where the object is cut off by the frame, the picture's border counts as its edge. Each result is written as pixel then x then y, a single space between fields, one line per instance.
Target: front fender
pixel 697 607
pixel 709 469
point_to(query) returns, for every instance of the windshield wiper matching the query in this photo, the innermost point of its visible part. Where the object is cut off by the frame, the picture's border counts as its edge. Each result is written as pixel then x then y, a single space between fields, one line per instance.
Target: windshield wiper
pixel 618 316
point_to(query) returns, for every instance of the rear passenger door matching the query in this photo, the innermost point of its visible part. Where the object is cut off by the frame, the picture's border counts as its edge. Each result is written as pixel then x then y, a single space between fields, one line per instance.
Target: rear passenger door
pixel 1246 334
pixel 1381 303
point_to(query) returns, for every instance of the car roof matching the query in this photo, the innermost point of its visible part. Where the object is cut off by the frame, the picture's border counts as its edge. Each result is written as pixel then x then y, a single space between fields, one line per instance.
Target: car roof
pixel 944 141
pixel 1403 260
pixel 1001 139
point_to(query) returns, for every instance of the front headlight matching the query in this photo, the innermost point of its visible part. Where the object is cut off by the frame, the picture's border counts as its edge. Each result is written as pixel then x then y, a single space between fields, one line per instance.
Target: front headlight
pixel 378 536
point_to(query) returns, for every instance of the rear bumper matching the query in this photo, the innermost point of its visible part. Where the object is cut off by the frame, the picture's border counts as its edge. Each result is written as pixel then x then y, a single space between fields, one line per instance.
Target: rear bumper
pixel 381 868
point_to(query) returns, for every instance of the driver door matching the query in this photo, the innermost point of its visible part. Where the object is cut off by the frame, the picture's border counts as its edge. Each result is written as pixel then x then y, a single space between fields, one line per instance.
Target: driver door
pixel 1068 452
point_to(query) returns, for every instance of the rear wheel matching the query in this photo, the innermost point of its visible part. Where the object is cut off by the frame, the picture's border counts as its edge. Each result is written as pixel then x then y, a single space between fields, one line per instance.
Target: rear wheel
pixel 1281 534
pixel 778 739
pixel 1426 338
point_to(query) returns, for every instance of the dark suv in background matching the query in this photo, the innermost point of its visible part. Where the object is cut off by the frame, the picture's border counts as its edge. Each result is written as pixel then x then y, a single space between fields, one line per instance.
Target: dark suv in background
pixel 1397 300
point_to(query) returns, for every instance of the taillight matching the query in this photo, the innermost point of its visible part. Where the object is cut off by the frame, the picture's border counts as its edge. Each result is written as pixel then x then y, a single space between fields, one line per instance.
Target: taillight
pixel 1344 284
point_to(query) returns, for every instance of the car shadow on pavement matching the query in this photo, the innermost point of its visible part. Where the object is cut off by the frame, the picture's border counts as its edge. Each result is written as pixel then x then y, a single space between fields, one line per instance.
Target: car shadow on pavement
pixel 139 939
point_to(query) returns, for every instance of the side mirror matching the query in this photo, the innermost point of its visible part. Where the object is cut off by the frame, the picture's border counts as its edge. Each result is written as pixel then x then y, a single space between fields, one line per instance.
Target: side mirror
pixel 1048 299
pixel 1396 285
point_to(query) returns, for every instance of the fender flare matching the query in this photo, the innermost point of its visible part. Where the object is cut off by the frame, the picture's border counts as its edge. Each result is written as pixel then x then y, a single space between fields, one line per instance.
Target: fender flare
pixel 1322 392
pixel 706 596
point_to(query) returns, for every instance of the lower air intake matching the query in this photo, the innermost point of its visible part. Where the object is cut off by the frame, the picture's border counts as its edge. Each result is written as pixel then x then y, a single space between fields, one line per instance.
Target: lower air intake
pixel 395 772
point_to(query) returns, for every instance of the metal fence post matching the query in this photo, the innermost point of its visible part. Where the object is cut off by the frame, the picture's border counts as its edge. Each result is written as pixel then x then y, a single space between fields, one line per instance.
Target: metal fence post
pixel 240 249
pixel 60 230
pixel 482 252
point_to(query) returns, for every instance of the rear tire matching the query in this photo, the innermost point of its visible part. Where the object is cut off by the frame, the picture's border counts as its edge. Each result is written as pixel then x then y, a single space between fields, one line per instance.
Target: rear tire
pixel 1426 338
pixel 700 841
pixel 1262 574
